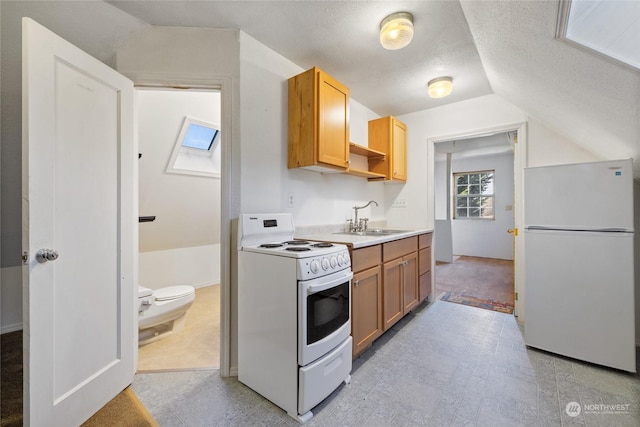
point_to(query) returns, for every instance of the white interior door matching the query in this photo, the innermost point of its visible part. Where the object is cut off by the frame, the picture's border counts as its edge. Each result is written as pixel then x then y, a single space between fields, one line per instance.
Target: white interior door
pixel 79 175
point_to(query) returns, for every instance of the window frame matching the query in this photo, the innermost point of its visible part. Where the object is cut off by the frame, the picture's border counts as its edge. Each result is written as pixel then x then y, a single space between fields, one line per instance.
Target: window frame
pixel 467 196
pixel 181 152
pixel 562 28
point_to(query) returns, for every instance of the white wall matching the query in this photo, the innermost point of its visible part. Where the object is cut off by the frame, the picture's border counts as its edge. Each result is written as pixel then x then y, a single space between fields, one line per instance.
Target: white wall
pixel 487 238
pixel 266 181
pixel 187 207
pixel 545 146
pixel 11 299
pixel 195 266
pixel 182 246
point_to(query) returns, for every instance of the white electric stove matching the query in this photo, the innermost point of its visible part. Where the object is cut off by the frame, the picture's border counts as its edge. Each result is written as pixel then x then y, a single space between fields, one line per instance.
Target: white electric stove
pixel 294 314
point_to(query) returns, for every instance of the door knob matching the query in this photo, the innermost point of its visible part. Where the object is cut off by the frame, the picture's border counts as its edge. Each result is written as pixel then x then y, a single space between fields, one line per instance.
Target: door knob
pixel 44 255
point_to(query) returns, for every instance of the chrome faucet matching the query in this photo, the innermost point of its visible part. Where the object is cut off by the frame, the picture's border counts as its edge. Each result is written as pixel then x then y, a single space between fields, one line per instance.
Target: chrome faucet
pixel 360 225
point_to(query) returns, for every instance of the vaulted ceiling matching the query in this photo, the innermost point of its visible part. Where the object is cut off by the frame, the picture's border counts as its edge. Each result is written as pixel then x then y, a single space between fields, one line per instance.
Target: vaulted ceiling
pixel 507 48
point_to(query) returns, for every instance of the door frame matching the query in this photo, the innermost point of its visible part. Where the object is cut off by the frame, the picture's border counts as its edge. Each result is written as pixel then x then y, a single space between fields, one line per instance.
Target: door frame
pixel 520 161
pixel 224 86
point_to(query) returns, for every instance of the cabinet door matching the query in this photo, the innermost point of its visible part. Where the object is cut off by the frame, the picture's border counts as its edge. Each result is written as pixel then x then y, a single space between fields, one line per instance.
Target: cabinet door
pixel 399 147
pixel 333 121
pixel 425 286
pixel 392 293
pixel 424 271
pixel 410 282
pixel 366 308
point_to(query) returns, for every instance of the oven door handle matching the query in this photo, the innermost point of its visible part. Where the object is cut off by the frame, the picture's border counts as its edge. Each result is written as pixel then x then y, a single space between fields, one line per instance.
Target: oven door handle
pixel 312 289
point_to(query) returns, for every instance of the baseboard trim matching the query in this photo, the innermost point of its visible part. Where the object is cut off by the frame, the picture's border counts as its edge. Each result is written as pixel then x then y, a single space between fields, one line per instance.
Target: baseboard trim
pixel 233 371
pixel 11 328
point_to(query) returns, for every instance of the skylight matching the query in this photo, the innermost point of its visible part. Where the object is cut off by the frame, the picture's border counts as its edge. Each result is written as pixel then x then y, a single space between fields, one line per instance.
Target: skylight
pixel 199 137
pixel 609 28
pixel 196 150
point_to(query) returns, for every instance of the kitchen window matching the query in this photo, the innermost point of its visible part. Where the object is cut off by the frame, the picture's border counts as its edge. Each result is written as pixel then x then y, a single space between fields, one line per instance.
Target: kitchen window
pixel 474 195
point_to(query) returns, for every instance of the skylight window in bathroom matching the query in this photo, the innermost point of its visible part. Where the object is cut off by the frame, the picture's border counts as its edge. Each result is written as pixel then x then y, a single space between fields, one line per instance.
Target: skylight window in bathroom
pixel 196 150
pixel 199 136
pixel 607 28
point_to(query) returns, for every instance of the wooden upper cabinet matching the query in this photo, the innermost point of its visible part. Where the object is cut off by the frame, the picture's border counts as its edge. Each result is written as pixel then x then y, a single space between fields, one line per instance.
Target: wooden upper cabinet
pixel 389 135
pixel 318 129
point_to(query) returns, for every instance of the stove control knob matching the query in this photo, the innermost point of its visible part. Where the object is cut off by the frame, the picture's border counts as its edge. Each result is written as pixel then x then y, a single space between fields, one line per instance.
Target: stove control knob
pixel 340 260
pixel 315 266
pixel 325 264
pixel 347 260
pixel 333 262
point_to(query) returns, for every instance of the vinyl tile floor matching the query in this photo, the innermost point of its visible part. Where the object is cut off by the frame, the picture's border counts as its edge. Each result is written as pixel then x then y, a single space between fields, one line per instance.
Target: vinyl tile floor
pixel 442 365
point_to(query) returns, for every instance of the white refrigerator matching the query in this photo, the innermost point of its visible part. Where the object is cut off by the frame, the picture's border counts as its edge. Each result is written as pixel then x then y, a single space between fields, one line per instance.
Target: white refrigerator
pixel 579 267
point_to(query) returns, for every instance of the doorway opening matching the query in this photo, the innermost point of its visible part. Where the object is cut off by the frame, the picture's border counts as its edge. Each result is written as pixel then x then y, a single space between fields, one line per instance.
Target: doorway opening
pixel 474 190
pixel 180 191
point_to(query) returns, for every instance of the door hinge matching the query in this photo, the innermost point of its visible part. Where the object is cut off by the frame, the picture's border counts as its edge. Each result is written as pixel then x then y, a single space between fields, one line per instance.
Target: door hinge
pixel 25 257
pixel 515 297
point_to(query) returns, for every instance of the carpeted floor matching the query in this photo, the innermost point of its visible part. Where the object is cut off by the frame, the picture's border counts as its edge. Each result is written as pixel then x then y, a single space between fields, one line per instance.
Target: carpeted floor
pixel 124 410
pixel 480 278
pixel 11 379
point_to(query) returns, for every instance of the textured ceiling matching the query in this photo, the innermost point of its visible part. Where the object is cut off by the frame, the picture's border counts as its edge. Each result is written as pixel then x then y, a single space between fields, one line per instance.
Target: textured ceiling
pixel 588 99
pixel 502 47
pixel 341 37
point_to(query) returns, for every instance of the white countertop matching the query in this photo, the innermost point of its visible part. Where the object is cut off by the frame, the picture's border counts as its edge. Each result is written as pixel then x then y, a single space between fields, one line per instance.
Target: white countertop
pixel 357 241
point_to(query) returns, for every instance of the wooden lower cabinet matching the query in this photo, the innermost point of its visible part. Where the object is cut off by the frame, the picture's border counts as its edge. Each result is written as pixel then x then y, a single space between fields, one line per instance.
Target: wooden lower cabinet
pixel 410 282
pixel 400 285
pixel 424 266
pixel 366 308
pixel 389 280
pixel 366 297
pixel 392 286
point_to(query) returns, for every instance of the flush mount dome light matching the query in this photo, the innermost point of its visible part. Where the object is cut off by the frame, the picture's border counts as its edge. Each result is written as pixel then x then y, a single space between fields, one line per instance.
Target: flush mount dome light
pixel 396 30
pixel 440 87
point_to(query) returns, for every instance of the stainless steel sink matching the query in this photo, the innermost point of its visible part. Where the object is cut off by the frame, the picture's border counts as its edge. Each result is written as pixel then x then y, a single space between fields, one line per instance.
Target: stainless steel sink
pixel 373 232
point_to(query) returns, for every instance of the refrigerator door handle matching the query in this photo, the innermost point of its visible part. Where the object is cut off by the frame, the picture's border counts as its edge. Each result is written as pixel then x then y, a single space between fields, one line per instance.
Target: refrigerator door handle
pixel 593 230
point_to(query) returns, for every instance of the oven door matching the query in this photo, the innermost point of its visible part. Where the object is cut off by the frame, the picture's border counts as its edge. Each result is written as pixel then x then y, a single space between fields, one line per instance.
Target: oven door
pixel 324 315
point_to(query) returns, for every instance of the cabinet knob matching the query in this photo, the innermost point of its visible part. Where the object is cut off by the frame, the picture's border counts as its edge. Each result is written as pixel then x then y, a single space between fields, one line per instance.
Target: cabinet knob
pixel 356 283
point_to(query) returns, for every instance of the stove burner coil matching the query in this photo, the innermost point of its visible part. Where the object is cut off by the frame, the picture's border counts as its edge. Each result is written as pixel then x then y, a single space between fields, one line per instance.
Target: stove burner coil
pixel 296 242
pixel 298 249
pixel 322 245
pixel 271 245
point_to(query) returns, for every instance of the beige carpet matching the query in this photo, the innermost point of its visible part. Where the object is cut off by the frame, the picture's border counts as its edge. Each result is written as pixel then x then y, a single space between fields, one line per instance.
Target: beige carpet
pixel 197 347
pixel 124 410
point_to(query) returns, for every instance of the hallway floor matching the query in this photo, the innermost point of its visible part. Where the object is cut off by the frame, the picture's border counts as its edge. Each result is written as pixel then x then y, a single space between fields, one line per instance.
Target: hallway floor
pixel 442 365
pixel 485 278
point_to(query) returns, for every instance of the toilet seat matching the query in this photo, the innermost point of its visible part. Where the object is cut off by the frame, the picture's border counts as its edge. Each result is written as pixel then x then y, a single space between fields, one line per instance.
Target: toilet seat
pixel 172 292
pixel 144 292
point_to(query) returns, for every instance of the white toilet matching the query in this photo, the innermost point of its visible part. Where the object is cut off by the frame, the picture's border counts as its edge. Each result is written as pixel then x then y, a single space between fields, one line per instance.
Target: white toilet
pixel 161 312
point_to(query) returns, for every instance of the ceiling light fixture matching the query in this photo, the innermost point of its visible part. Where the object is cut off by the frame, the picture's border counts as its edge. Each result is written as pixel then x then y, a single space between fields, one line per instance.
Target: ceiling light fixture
pixel 440 87
pixel 396 30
